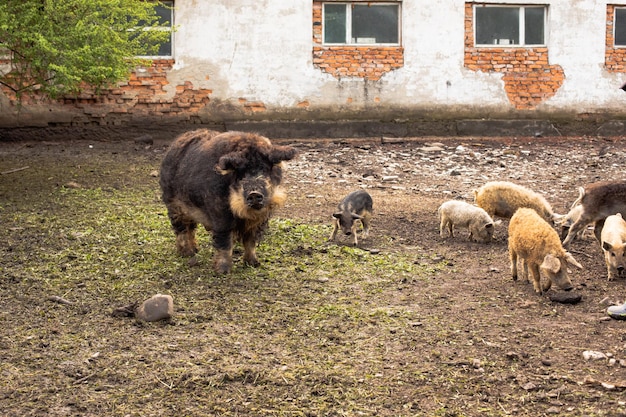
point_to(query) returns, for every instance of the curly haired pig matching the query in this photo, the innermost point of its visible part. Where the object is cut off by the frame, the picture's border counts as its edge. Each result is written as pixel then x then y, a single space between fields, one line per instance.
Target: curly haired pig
pixel 461 214
pixel 613 240
pixel 598 200
pixel 533 241
pixel 566 222
pixel 503 198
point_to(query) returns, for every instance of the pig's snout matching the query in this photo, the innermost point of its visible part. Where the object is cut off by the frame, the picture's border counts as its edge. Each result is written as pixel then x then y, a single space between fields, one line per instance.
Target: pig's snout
pixel 255 199
pixel 620 269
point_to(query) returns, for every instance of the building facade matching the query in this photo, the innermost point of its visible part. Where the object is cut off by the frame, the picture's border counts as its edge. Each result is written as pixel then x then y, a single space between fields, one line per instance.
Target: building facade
pixel 400 62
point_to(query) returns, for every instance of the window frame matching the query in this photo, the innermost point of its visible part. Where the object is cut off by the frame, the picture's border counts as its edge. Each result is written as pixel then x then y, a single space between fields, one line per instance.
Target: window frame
pixel 521 27
pixel 348 40
pixel 615 9
pixel 170 28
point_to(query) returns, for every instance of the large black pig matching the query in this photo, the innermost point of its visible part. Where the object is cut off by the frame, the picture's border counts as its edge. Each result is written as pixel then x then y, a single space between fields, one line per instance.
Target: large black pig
pixel 228 182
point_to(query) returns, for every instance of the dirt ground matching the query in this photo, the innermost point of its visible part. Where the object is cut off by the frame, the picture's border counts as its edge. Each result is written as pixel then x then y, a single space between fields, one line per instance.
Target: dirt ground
pixel 474 343
pixel 409 180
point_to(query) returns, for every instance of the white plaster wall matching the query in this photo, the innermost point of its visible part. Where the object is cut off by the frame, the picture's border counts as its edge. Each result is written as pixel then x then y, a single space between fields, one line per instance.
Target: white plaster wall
pixel 261 50
pixel 256 50
pixel 433 38
pixel 579 48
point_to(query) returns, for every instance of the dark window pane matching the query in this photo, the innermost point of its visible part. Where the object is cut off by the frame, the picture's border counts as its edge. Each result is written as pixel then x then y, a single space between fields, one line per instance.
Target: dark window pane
pixel 164 12
pixel 335 23
pixel 165 49
pixel 165 15
pixel 497 25
pixel 375 24
pixel 620 27
pixel 534 25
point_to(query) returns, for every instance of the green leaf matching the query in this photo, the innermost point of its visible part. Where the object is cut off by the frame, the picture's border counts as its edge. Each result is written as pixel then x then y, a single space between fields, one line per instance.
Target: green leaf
pixel 58 46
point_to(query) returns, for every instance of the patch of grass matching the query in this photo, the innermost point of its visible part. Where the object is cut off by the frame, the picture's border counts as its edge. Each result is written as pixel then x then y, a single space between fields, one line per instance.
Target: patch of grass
pixel 91 234
pixel 103 247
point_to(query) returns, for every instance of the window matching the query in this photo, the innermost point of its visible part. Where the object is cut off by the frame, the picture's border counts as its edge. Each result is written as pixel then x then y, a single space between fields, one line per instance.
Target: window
pixel 620 26
pixel 510 25
pixel 368 23
pixel 165 13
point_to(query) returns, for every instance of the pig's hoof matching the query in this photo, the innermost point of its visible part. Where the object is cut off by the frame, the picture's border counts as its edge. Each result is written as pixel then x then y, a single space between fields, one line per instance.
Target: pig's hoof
pixel 254 262
pixel 186 252
pixel 222 267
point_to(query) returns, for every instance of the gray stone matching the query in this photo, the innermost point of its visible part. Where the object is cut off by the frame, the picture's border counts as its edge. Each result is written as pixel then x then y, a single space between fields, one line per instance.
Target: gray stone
pixel 158 307
pixel 431 149
pixel 593 355
pixel 568 297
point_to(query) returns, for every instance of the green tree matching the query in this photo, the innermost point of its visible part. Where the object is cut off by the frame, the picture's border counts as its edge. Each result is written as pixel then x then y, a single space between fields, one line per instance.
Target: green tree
pixel 55 47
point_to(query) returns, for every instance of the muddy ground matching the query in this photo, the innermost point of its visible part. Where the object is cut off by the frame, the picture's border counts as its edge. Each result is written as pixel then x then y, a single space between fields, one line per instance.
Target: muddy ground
pixel 466 340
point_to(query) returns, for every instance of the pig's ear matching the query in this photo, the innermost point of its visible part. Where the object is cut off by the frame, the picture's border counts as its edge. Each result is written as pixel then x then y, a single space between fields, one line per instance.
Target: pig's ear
pixel 570 260
pixel 356 216
pixel 551 263
pixel 337 215
pixel 489 226
pixel 229 163
pixel 281 153
pixel 607 246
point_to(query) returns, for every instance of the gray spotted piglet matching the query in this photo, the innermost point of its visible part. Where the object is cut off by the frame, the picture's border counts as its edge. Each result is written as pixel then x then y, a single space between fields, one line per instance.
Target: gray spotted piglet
pixel 356 206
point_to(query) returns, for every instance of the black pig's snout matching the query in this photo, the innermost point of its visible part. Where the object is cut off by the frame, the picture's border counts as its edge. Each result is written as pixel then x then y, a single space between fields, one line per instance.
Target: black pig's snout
pixel 255 199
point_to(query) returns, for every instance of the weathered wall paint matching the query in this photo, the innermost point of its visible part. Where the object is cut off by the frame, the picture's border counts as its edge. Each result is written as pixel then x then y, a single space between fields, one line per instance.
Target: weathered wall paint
pixel 243 60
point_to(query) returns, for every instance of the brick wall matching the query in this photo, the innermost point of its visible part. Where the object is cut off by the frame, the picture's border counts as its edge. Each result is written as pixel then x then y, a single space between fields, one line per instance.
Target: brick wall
pixel 144 94
pixel 529 79
pixel 614 58
pixel 368 62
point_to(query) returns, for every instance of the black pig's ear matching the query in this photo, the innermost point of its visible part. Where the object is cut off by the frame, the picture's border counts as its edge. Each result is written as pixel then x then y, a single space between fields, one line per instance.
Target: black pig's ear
pixel 281 153
pixel 230 162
